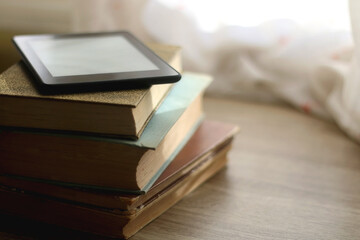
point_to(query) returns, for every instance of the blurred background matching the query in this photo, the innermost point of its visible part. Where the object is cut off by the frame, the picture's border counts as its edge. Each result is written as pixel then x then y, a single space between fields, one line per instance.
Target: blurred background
pixel 300 52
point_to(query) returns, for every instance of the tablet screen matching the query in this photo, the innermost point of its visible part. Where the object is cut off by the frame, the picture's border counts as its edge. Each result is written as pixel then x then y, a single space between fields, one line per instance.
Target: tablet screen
pixel 91 60
pixel 90 55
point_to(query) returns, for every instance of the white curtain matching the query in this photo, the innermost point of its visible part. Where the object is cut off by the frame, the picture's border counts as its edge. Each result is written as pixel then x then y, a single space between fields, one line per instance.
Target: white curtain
pixel 302 52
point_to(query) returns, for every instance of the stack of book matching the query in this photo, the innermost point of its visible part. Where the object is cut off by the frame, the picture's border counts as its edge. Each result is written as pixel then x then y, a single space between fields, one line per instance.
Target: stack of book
pixel 108 162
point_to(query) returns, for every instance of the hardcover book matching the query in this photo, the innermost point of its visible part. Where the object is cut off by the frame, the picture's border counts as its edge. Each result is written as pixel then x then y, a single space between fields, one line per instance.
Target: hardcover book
pixel 121 112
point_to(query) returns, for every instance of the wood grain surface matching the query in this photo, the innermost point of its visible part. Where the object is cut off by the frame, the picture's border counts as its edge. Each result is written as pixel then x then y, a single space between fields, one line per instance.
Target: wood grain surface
pixel 290 176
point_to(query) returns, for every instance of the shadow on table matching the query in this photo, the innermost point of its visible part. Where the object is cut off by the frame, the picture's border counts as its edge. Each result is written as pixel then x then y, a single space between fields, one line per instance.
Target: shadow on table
pixel 15 228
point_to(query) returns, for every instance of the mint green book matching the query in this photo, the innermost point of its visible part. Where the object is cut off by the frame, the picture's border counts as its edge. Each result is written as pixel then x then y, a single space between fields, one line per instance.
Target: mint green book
pixel 105 162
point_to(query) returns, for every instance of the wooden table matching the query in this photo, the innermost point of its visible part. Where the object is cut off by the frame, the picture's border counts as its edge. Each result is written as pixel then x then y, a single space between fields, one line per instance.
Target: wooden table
pixel 290 176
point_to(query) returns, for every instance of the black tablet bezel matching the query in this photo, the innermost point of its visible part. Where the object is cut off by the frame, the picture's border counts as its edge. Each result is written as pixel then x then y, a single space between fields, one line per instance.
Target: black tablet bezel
pixel 165 73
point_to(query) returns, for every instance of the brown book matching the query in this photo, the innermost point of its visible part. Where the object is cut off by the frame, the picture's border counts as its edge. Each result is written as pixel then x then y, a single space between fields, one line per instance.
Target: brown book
pixel 122 112
pixel 113 222
pixel 210 138
pixel 104 162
